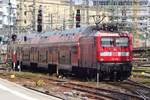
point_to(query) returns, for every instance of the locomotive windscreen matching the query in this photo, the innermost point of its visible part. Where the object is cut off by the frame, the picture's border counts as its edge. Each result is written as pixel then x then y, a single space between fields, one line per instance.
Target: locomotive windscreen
pixel 122 41
pixel 114 41
pixel 107 41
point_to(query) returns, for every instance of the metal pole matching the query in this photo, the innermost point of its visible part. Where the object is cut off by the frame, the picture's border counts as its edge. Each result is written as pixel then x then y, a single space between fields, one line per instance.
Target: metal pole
pixel 51 21
pixel 11 32
pixel 20 16
pixel 64 24
pixel 34 18
pixel 98 74
pixel 70 12
pixel 97 8
pixel 9 17
pixel 87 12
pixel 111 9
pixel 117 15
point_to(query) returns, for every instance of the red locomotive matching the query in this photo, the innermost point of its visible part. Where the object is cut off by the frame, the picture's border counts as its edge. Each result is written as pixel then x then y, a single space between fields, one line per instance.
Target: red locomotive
pixel 83 52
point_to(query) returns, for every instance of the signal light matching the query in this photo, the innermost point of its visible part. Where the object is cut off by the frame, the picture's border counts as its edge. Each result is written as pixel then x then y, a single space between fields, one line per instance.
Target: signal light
pixel 14 37
pixel 78 18
pixel 77 24
pixel 39 20
pixel 25 38
pixel 0 39
pixel 39 28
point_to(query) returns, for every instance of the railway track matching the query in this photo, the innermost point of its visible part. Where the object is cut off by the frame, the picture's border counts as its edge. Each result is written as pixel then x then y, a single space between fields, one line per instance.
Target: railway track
pixel 141 56
pixel 137 61
pixel 142 90
pixel 115 95
pixel 138 84
pixel 135 88
pixel 44 92
pixel 95 93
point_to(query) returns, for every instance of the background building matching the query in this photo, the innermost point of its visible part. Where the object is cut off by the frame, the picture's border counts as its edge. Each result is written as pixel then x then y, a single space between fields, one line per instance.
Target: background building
pixel 1 13
pixel 21 15
pixel 134 15
pixel 7 15
pixel 54 13
pixel 57 14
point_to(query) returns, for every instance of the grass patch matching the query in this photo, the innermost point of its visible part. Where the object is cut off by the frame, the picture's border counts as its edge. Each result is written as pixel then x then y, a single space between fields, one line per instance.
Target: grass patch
pixel 27 74
pixel 22 74
pixel 145 81
pixel 141 69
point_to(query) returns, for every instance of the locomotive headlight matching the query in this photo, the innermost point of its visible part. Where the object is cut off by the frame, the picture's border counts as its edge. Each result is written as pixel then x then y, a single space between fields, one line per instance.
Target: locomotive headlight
pixel 123 53
pixel 105 53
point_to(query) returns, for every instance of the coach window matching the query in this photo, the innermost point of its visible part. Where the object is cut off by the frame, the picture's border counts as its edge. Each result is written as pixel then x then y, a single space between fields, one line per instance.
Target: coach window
pixel 123 41
pixel 74 49
pixel 106 41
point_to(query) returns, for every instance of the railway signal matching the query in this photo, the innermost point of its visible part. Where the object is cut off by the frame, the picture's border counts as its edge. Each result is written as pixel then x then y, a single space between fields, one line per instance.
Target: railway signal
pixel 78 18
pixel 25 38
pixel 39 20
pixel 14 37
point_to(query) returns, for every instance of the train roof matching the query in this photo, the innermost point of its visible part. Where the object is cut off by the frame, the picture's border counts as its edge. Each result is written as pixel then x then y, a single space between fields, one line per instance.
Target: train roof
pixel 104 33
pixel 71 35
pixel 68 31
pixel 89 30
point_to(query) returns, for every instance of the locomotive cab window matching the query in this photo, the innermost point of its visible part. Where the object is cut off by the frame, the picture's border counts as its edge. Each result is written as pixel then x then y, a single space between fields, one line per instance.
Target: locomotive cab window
pixel 123 41
pixel 107 41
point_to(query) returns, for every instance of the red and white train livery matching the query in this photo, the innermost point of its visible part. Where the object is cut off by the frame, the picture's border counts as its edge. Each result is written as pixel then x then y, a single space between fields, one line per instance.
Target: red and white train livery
pixel 83 52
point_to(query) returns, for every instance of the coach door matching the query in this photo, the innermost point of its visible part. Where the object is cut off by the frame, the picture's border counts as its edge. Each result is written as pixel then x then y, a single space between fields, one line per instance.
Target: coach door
pixel 74 55
pixel 64 55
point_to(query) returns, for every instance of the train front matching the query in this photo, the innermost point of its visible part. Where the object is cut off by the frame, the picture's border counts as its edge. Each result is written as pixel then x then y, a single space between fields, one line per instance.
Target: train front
pixel 114 55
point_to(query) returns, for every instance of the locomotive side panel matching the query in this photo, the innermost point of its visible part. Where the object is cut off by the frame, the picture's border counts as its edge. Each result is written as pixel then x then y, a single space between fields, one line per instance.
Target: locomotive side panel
pixel 87 52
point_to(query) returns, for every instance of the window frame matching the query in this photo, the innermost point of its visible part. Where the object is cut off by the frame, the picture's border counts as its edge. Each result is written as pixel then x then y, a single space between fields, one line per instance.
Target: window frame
pixel 123 42
pixel 114 43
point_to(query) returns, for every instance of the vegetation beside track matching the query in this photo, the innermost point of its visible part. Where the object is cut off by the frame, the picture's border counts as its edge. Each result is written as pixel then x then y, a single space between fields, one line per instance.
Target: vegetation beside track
pixel 141 74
